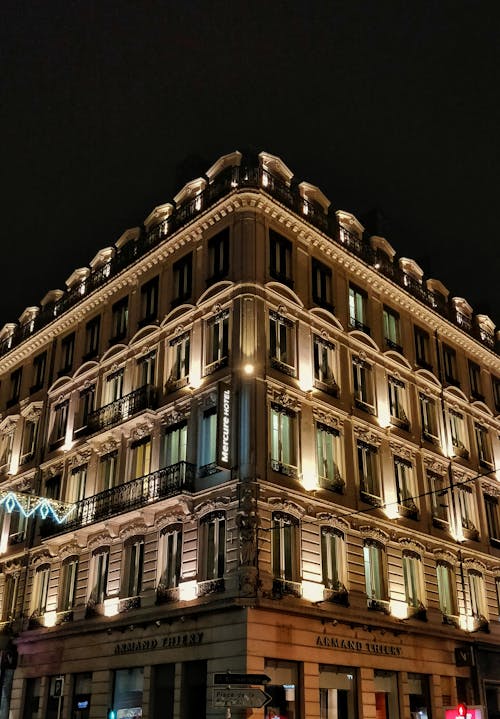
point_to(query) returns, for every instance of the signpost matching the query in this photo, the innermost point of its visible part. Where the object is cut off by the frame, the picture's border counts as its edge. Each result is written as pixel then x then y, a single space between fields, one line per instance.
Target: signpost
pixel 230 678
pixel 248 697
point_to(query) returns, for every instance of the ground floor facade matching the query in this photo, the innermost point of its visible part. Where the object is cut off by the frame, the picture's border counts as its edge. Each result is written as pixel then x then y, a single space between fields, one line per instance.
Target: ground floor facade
pixel 318 668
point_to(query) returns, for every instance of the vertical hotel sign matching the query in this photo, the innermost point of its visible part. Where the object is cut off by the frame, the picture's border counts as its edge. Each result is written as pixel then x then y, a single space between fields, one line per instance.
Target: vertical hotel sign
pixel 224 426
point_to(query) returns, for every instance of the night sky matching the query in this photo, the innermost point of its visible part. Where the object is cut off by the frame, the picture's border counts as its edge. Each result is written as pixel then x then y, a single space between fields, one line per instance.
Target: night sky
pixel 108 108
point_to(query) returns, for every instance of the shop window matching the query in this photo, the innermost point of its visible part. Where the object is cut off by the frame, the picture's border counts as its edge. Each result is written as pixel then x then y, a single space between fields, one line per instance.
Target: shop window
pixel 170 556
pixel 397 403
pixel 283 440
pixel 333 559
pixel 280 261
pixel 162 695
pixel 477 595
pixel 107 470
pixel 282 343
pixel 322 285
pixel 337 692
pixel 119 320
pixel 450 366
pixel 283 689
pixel 76 484
pixel 149 302
pixel 392 329
pixel 99 574
pixel 10 595
pixel 358 301
pixel 328 456
pixel 420 697
pixel 428 418
pixel 484 450
pixel 364 396
pixel 55 699
pixel 493 518
pixel 413 579
pixel 179 361
pixel 440 496
pixel 324 365
pixel 217 342
pixel 193 690
pixel 368 469
pixel 213 530
pixel 447 589
pixel 422 349
pixel 175 444
pixel 458 436
pixel 67 590
pixel 133 566
pixel 140 457
pixel 375 565
pixel 182 279
pixel 32 694
pixel 39 365
pixel 92 332
pixel 128 688
pixel 208 442
pixel 405 489
pixel 218 256
pixel 386 694
pixel 82 695
pixel 67 354
pixel 475 381
pixel 285 537
pixel 40 589
pixel 146 370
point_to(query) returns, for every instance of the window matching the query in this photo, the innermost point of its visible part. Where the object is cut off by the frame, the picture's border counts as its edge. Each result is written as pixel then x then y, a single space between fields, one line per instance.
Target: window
pixel 141 457
pixel 467 510
pixel 92 331
pixel 6 444
pixel 283 689
pixel 15 386
pixel 385 685
pixel 128 687
pixel 392 332
pixel 134 562
pixel 281 343
pixel 41 589
pixel 182 276
pixel 60 421
pixel 170 552
pixel 67 353
pixel 440 497
pixel 492 517
pixel 327 457
pixel 363 385
pixel 17 527
pixel 175 444
pixel 107 470
pixel 450 366
pixel 422 349
pixel 428 419
pixel 357 309
pixel 86 405
pixel 39 364
pixel 333 559
pixel 369 482
pixel 475 381
pixel 405 491
pixel 324 365
pixel 119 319
pixel 208 443
pixel 53 488
pixel 179 359
pixel 76 485
pixel 149 301
pixel 217 335
pixel 413 578
pixel 213 527
pixel 483 446
pixel 280 261
pixel 10 594
pixel 447 589
pixel 322 285
pixel 337 692
pixel 397 402
pixel 146 367
pixel 375 570
pixel 30 431
pixel 67 592
pixel 477 595
pixel 283 440
pixel 218 255
pixel 284 532
pixel 113 387
pixel 457 432
pixel 496 392
pixel 100 562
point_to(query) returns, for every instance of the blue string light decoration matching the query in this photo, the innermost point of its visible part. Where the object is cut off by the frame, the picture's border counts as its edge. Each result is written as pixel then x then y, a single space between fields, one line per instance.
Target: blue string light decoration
pixel 29 505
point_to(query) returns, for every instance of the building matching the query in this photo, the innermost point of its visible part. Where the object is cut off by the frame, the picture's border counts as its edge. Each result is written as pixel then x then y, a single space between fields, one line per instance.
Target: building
pixel 248 438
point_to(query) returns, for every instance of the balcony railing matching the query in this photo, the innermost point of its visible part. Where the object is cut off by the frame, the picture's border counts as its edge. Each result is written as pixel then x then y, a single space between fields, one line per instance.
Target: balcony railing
pixel 249 175
pixel 121 409
pixel 164 483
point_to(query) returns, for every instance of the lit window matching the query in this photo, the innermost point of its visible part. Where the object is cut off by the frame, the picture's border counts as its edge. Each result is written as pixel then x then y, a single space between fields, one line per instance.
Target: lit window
pixel 450 366
pixel 99 574
pixel 128 688
pixel 283 440
pixel 327 455
pixel 447 589
pixel 208 442
pixel 134 561
pixel 280 261
pixel 369 481
pixel 281 343
pixel 86 405
pixel 67 593
pixel 496 392
pixel 179 360
pixel 477 595
pixel 285 537
pixel 483 446
pixel 10 594
pixel 92 331
pixel 41 590
pixel 6 444
pixel 337 692
pixel 357 309
pixel 363 385
pixel 113 386
pixel 422 349
pixel 141 457
pixel 175 444
pixel 324 365
pixel 397 402
pixel 149 301
pixel 213 560
pixel 392 333
pixel 428 418
pixel 60 421
pixel 456 426
pixel 146 367
pixel 76 484
pixel 467 510
pixel 492 516
pixel 405 489
pixel 375 564
pixel 413 578
pixel 170 556
pixel 107 470
pixel 182 279
pixel 475 381
pixel 333 559
pixel 218 255
pixel 119 319
pixel 440 496
pixel 217 342
pixel 322 285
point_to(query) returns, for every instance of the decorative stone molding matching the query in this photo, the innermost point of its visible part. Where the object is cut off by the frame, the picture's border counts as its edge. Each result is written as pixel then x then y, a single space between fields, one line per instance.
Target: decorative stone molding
pixel 326 417
pixel 333 520
pixel 474 563
pixel 82 456
pixel 141 430
pixel 286 505
pixel 211 505
pixel 445 555
pixel 402 451
pixel 208 400
pixel 13 566
pixel 368 532
pixel 32 411
pixel 138 528
pixel 410 543
pixel 99 540
pixel 54 469
pixel 177 513
pixel 434 465
pixel 41 557
pixel 70 549
pixel 491 489
pixel 283 398
pixel 175 415
pixel 367 435
pixel 9 424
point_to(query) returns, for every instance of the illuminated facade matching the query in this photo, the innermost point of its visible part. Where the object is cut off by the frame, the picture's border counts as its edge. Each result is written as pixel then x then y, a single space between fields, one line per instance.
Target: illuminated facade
pixel 247 437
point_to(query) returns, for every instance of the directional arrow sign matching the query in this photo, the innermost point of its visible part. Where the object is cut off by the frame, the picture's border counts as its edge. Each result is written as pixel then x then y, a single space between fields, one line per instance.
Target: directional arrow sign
pixel 229 678
pixel 239 697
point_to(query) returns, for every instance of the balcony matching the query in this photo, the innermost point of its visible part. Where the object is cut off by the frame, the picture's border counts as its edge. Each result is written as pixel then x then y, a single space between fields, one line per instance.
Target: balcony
pixel 164 483
pixel 121 409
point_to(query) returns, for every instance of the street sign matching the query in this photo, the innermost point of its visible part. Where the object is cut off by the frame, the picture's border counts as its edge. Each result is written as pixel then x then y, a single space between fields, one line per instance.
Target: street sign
pixel 229 678
pixel 240 697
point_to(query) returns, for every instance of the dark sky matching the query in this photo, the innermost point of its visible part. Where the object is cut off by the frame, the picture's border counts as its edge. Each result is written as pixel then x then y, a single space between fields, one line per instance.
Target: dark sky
pixel 387 104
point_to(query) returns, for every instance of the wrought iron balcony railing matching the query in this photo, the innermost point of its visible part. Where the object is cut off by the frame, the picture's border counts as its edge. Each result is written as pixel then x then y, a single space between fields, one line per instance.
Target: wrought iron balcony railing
pixel 164 483
pixel 121 409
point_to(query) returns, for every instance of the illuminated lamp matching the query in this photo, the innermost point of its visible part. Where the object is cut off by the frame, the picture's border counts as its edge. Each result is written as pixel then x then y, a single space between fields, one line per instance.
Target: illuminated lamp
pixel 188 590
pixel 461 710
pixel 49 619
pixel 248 368
pixel 399 609
pixel 312 591
pixel 111 606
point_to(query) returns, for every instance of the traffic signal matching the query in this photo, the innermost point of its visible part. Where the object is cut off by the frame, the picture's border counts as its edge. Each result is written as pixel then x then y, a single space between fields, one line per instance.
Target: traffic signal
pixel 462 710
